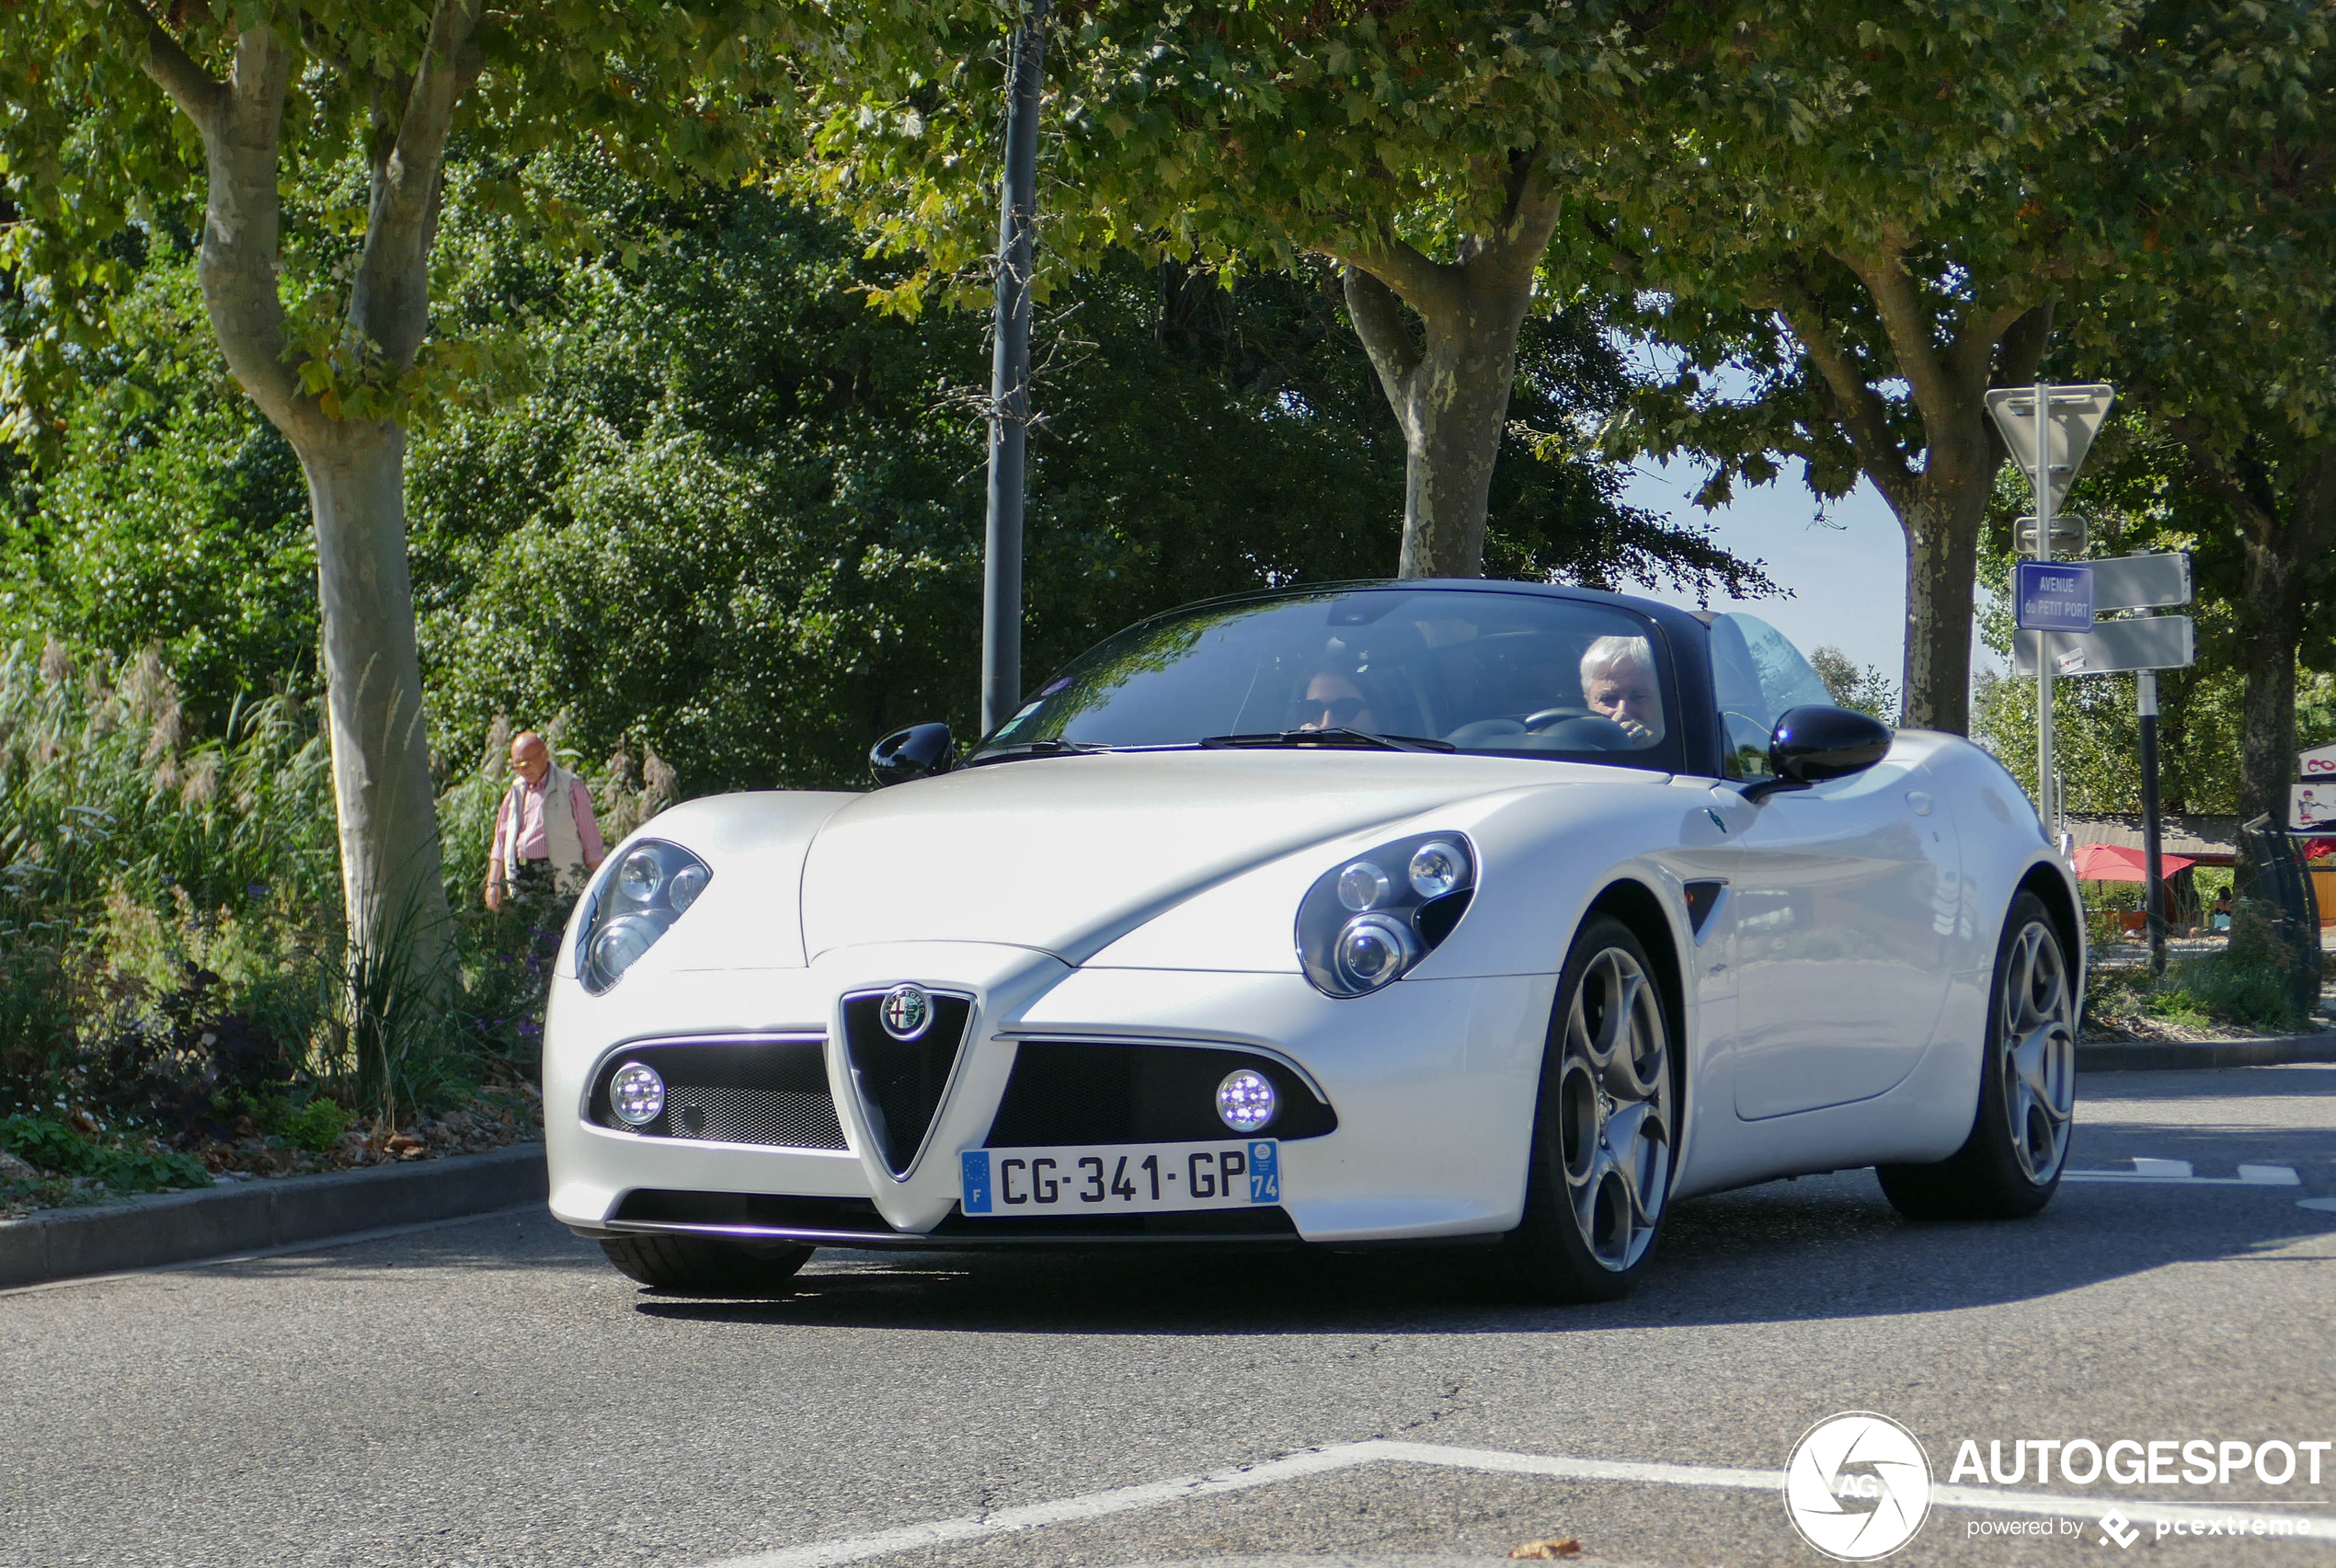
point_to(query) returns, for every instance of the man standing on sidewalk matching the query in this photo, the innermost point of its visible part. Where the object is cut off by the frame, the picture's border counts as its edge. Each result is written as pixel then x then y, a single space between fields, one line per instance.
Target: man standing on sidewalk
pixel 547 840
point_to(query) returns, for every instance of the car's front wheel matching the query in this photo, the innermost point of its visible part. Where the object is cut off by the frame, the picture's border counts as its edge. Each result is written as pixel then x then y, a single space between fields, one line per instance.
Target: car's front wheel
pixel 2009 1166
pixel 693 1265
pixel 1605 1129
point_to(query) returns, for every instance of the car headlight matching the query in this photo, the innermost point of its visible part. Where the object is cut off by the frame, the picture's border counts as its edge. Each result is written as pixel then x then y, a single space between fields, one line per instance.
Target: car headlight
pixel 1372 919
pixel 652 885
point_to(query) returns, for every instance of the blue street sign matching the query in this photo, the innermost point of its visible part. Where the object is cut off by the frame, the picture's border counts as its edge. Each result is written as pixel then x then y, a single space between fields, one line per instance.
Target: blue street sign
pixel 2052 596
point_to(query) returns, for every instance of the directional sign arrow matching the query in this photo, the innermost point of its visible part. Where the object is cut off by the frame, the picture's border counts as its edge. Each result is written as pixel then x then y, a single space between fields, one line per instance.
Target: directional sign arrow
pixel 2075 416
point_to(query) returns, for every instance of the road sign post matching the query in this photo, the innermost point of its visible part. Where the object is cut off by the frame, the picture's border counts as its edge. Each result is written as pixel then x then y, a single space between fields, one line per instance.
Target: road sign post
pixel 2048 430
pixel 2153 898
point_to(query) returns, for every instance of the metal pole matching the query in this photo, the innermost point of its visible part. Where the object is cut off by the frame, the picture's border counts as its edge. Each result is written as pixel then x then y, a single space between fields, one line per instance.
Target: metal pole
pixel 2153 862
pixel 2047 801
pixel 1009 380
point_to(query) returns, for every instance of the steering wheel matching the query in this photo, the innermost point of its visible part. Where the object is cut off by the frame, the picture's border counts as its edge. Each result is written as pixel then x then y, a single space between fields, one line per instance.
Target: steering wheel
pixel 1554 715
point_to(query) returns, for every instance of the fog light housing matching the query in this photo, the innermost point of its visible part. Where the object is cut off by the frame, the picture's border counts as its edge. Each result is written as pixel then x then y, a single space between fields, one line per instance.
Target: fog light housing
pixel 636 1094
pixel 1246 1100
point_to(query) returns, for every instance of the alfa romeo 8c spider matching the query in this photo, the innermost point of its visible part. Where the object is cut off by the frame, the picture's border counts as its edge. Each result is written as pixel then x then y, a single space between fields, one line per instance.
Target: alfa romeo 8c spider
pixel 1491 914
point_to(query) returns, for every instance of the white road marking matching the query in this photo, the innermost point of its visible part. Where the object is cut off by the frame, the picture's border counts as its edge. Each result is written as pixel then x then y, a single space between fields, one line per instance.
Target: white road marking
pixel 2176 1173
pixel 2324 1204
pixel 1348 1456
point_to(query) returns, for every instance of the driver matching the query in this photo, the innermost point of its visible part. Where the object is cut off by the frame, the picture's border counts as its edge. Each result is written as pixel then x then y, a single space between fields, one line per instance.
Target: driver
pixel 1618 682
pixel 1332 700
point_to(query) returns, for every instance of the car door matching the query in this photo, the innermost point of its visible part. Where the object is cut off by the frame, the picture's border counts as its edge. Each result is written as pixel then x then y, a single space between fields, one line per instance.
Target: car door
pixel 1841 956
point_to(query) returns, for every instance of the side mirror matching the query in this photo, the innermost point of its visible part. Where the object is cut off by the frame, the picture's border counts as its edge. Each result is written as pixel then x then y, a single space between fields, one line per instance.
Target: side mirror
pixel 1813 744
pixel 916 752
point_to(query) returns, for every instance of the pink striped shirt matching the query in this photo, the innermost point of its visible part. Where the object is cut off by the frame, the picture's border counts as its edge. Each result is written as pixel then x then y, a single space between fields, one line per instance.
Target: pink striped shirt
pixel 534 841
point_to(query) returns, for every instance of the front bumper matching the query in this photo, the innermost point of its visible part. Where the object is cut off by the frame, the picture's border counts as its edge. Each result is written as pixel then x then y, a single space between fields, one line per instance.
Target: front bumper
pixel 1432 1082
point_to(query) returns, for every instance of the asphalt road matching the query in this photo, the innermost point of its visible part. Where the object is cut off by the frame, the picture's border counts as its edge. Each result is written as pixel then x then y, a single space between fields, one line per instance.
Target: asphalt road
pixel 493 1392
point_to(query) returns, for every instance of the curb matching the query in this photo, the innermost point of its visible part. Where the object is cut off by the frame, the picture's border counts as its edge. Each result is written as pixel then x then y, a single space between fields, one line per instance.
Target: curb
pixel 2162 1056
pixel 254 1216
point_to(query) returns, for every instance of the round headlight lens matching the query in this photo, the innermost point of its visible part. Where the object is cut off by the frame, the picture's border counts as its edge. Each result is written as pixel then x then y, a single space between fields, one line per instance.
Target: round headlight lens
pixel 1362 886
pixel 640 877
pixel 622 941
pixel 1246 1100
pixel 1374 949
pixel 636 1094
pixel 687 884
pixel 1437 867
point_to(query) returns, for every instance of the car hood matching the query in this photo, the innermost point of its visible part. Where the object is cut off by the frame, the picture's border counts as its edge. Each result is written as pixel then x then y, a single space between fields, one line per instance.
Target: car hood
pixel 1066 855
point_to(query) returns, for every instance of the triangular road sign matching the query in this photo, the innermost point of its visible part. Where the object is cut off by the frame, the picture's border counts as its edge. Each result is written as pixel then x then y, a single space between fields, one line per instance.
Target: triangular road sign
pixel 2075 417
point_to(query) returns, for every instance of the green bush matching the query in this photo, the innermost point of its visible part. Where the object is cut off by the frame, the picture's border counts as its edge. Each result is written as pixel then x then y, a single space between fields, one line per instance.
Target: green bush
pixel 52 1146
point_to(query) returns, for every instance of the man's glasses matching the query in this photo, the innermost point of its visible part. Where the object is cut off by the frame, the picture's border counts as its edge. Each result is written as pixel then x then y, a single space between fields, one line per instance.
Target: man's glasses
pixel 1337 710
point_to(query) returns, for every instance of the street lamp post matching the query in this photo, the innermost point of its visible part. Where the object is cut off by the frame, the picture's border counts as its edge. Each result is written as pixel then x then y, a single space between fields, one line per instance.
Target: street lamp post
pixel 1009 379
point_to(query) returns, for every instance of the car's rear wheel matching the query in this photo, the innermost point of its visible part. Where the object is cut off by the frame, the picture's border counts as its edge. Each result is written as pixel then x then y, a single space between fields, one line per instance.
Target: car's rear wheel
pixel 1604 1129
pixel 2009 1166
pixel 696 1267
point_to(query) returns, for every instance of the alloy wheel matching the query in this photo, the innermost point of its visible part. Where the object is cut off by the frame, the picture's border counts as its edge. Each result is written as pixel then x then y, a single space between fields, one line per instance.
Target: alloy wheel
pixel 2039 1044
pixel 1614 1104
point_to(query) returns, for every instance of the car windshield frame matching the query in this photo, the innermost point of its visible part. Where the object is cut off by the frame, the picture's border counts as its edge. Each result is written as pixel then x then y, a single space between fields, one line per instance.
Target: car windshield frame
pixel 1536 618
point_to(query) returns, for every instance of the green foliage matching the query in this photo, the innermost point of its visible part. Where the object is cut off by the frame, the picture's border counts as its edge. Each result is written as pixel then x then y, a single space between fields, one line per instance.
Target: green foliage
pixel 737 522
pixel 53 1147
pixel 1867 691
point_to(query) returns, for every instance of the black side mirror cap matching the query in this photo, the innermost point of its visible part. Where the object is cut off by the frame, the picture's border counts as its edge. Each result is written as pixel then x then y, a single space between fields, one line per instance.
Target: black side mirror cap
pixel 916 752
pixel 1812 744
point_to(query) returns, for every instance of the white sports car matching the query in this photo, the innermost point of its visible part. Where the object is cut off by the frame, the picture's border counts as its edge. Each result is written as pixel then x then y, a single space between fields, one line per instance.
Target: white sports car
pixel 1486 913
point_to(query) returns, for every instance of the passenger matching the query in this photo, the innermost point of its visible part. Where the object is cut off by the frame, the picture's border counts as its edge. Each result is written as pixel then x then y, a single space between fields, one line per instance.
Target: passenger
pixel 1619 682
pixel 1333 700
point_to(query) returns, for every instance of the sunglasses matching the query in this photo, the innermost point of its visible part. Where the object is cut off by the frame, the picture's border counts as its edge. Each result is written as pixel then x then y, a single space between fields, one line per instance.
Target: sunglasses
pixel 1338 709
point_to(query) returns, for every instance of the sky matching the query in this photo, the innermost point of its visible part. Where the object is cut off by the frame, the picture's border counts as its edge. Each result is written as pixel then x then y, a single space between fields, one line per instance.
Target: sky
pixel 1846 575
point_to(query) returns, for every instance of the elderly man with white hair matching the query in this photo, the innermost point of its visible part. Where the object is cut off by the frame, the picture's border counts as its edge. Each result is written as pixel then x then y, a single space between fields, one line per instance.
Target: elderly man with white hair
pixel 1619 682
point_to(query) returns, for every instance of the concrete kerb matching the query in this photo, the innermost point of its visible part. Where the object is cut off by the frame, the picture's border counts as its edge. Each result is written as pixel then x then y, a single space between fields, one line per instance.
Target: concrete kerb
pixel 2166 1055
pixel 254 1216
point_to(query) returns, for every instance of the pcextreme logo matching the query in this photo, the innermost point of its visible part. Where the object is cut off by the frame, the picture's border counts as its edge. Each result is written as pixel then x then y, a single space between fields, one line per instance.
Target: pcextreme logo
pixel 1858 1486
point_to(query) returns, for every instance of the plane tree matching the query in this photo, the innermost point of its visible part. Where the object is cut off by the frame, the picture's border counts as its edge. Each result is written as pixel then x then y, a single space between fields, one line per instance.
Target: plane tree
pixel 115 118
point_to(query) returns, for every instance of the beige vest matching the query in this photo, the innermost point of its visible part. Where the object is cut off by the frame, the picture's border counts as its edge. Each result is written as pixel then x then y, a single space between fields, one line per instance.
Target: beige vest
pixel 561 832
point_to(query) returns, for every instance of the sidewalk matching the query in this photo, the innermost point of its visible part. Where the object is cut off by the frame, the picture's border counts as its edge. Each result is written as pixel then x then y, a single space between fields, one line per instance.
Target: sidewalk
pixel 146 1233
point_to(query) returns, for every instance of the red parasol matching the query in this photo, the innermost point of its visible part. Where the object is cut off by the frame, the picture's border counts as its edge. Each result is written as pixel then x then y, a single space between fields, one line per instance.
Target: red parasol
pixel 2114 862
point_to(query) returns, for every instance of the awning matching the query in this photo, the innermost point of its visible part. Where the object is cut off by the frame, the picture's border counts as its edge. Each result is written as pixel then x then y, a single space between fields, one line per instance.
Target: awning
pixel 2116 863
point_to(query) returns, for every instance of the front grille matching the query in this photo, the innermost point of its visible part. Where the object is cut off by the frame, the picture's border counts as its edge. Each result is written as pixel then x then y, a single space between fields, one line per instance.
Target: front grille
pixel 855 1223
pixel 1072 1093
pixel 901 1081
pixel 750 1211
pixel 772 1091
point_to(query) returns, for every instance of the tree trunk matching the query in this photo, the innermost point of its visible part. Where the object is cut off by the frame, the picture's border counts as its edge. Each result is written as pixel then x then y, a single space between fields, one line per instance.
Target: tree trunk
pixel 389 849
pixel 1942 564
pixel 1449 379
pixel 355 468
pixel 1451 399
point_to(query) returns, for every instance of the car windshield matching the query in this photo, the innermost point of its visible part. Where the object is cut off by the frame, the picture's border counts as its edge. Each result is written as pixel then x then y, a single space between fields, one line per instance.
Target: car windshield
pixel 1477 670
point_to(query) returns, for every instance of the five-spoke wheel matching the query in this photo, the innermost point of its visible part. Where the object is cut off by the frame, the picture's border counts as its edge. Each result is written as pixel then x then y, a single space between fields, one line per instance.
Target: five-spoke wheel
pixel 1606 1128
pixel 2009 1166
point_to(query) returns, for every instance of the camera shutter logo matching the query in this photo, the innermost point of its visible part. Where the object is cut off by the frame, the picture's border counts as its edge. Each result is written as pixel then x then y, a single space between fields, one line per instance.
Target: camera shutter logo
pixel 1858 1486
pixel 907 1011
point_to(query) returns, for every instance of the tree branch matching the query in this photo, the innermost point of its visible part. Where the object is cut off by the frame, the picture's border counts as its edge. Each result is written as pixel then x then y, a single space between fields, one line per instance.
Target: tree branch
pixel 389 304
pixel 1429 287
pixel 1863 414
pixel 198 95
pixel 1908 325
pixel 1387 337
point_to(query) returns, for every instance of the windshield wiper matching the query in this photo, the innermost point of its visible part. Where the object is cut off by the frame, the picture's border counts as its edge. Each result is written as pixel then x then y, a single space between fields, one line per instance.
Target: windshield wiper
pixel 1331 737
pixel 1017 751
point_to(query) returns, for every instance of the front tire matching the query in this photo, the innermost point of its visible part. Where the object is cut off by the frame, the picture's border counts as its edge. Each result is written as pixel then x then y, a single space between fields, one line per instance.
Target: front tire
pixel 1605 1129
pixel 2009 1166
pixel 692 1265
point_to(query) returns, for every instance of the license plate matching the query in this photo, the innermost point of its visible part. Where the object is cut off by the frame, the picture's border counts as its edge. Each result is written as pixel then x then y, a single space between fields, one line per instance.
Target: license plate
pixel 1132 1178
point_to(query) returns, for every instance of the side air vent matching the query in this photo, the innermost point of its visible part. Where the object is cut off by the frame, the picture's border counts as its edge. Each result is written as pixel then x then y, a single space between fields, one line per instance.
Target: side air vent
pixel 1071 1092
pixel 900 1082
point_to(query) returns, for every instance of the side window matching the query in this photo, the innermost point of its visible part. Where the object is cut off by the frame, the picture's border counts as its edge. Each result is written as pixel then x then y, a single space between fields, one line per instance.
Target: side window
pixel 1757 675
